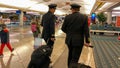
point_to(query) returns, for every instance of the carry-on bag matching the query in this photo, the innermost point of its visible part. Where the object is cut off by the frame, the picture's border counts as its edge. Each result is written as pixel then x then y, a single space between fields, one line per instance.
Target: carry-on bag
pixel 40 57
pixel 83 64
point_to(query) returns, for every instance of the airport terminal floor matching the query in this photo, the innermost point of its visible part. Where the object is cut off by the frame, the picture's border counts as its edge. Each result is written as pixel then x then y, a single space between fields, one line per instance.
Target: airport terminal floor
pixel 104 54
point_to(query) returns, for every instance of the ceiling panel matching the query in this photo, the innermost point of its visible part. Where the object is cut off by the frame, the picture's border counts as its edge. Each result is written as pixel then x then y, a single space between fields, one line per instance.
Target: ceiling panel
pixel 110 0
pixel 63 5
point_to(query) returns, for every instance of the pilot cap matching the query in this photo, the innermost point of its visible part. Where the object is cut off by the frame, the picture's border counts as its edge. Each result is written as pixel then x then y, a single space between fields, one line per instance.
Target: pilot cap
pixel 52 6
pixel 75 6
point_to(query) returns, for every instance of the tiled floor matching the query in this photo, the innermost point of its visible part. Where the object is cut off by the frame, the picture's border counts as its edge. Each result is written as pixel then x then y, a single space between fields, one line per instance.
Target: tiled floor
pixel 22 40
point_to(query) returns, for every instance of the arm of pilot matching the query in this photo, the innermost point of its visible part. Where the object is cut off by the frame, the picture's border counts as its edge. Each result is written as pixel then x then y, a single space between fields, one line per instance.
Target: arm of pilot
pixel 86 30
pixel 64 29
pixel 52 26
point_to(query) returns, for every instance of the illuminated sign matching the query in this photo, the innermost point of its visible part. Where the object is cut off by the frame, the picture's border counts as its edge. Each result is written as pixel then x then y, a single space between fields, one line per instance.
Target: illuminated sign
pixel 93 17
pixel 18 12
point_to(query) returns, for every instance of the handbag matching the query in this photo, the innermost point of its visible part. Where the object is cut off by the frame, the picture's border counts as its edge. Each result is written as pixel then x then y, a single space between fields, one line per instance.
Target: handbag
pixel 38 41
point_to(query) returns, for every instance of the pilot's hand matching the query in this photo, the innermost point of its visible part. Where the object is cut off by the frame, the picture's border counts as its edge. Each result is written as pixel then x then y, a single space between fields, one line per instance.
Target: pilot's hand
pixel 53 39
pixel 88 45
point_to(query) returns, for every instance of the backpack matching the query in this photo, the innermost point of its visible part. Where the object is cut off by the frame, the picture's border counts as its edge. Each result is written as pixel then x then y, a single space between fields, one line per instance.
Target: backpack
pixel 40 57
pixel 42 50
pixel 33 27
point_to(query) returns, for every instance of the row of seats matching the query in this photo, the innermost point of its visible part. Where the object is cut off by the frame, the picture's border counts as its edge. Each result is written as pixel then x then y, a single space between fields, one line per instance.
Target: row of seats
pixel 102 27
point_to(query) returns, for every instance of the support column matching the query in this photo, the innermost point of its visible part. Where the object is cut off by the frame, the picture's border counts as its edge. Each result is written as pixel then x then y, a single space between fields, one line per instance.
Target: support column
pixel 21 18
pixel 21 24
pixel 109 17
pixel 41 18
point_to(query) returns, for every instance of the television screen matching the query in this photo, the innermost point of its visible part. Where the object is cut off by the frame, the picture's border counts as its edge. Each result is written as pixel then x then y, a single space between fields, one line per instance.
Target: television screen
pixel 18 12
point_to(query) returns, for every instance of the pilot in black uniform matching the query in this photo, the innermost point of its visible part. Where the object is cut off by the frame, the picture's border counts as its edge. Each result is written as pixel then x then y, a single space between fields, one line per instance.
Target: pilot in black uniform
pixel 48 23
pixel 76 28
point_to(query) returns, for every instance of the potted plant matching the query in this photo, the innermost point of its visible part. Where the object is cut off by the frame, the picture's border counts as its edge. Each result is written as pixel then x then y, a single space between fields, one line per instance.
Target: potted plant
pixel 102 19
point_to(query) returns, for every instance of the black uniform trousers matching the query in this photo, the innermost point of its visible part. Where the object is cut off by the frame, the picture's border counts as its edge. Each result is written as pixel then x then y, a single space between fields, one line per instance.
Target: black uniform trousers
pixel 49 43
pixel 74 54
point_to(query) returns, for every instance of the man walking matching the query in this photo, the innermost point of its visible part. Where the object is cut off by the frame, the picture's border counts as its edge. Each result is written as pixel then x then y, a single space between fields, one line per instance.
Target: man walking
pixel 76 28
pixel 48 23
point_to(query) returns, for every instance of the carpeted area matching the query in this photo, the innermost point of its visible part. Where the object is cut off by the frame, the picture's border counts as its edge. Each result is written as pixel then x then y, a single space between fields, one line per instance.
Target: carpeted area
pixel 106 51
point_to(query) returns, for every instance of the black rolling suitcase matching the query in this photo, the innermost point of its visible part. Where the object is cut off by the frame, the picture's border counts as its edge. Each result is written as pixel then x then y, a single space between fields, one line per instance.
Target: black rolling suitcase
pixel 40 57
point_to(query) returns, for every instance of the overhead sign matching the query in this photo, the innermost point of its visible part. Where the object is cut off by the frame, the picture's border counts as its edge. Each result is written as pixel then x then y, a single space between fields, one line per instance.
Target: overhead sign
pixel 18 12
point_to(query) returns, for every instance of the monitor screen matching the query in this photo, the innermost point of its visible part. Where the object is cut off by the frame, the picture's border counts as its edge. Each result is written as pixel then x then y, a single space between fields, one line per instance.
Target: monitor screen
pixel 18 12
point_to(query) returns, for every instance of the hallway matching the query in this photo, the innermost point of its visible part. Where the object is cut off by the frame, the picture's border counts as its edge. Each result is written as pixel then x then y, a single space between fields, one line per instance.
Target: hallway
pixel 22 40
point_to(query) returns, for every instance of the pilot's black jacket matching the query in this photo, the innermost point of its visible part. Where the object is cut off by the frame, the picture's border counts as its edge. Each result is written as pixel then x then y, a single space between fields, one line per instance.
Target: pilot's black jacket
pixel 76 28
pixel 48 23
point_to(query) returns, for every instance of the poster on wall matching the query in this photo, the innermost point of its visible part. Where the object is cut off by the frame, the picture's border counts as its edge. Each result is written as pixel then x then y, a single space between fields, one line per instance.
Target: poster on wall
pixel 118 21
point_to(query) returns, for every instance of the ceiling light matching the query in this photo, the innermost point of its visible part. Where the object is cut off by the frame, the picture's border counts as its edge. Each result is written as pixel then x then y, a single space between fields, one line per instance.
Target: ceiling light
pixel 105 5
pixel 117 8
pixel 58 12
pixel 18 3
pixel 7 9
pixel 116 12
pixel 89 5
pixel 39 7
